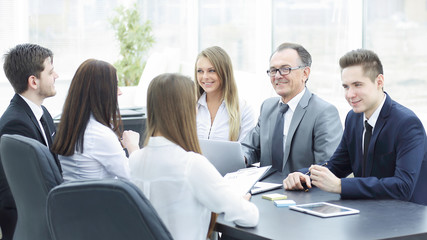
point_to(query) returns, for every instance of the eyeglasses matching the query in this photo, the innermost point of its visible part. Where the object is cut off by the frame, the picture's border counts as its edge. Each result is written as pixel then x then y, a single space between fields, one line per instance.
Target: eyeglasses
pixel 282 71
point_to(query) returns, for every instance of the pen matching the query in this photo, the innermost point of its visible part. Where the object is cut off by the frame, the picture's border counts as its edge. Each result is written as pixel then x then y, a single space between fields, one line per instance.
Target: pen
pixel 308 172
pixel 324 164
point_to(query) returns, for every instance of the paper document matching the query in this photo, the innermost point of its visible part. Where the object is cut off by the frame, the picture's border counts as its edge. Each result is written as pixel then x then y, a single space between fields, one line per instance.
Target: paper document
pixel 260 187
pixel 244 179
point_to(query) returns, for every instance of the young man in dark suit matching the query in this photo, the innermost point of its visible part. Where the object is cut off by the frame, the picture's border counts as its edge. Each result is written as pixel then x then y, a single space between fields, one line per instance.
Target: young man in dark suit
pixel 384 143
pixel 30 71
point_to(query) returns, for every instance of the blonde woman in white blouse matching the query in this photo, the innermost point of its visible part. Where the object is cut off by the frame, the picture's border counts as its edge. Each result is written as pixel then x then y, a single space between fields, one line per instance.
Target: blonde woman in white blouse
pixel 221 115
pixel 183 186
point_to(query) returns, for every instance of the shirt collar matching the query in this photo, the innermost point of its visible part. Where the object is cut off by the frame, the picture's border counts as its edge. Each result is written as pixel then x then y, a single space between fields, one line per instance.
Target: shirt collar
pixel 293 103
pixel 158 141
pixel 373 119
pixel 202 100
pixel 36 109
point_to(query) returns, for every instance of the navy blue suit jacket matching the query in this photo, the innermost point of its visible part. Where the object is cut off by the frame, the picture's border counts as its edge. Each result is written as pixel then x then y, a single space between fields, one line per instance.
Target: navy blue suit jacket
pixel 397 159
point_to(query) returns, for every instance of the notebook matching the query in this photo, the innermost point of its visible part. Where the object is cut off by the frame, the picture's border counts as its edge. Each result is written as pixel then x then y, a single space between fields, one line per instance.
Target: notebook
pixel 226 156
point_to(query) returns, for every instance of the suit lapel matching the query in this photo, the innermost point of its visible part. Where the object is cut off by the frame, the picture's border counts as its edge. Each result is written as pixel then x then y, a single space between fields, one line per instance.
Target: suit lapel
pixel 271 121
pixel 296 120
pixel 379 125
pixel 359 128
pixel 21 102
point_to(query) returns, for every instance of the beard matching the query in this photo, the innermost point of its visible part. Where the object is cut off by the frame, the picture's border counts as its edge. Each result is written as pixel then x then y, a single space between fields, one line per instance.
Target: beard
pixel 46 92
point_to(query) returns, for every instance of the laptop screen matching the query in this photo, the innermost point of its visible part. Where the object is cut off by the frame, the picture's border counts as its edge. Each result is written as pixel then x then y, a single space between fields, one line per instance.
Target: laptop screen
pixel 226 156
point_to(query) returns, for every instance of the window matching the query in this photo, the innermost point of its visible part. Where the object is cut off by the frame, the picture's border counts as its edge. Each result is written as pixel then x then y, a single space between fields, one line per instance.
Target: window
pixel 249 30
pixel 230 25
pixel 322 27
pixel 398 34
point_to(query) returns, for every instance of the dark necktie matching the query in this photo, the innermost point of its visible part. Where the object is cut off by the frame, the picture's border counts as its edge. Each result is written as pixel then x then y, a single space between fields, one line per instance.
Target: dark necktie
pixel 49 141
pixel 366 140
pixel 277 148
pixel 46 131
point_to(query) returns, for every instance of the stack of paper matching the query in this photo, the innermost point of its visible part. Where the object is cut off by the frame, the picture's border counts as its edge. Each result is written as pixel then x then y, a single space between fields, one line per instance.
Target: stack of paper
pixel 274 196
pixel 244 179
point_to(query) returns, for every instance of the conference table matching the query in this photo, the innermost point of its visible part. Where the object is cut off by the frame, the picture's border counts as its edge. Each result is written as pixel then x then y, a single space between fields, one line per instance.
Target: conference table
pixel 378 219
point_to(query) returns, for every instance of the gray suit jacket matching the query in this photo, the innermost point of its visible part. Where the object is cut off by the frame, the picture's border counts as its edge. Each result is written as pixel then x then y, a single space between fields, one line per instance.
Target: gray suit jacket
pixel 314 134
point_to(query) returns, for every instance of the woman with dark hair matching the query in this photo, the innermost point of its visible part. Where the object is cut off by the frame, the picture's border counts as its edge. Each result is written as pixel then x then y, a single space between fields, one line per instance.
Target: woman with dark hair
pixel 87 139
pixel 184 187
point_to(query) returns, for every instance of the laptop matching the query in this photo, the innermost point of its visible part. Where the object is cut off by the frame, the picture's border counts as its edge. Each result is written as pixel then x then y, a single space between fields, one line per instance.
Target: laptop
pixel 226 156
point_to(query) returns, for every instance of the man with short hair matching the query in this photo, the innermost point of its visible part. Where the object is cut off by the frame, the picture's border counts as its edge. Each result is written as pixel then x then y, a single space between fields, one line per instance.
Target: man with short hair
pixel 29 69
pixel 384 143
pixel 297 128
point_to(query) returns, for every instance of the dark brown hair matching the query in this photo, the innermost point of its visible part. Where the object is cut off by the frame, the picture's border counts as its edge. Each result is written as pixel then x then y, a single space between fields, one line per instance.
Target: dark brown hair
pixel 93 90
pixel 23 61
pixel 369 61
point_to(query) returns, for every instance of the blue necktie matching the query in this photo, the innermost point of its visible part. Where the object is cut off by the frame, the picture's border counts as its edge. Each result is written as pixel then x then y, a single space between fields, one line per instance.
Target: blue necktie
pixel 277 148
pixel 366 140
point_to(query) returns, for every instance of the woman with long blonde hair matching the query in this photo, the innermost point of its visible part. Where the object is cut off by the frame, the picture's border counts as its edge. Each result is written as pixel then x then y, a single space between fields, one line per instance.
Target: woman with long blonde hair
pixel 221 114
pixel 183 186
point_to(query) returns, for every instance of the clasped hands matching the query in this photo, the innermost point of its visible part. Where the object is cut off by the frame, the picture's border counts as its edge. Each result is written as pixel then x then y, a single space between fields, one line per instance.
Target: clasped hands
pixel 319 176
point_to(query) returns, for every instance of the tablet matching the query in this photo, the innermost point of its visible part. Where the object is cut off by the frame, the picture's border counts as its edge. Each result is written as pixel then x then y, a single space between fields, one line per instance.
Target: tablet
pixel 324 209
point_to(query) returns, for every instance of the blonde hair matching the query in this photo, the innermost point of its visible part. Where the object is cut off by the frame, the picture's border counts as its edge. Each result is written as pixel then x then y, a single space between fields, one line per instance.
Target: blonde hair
pixel 222 64
pixel 171 111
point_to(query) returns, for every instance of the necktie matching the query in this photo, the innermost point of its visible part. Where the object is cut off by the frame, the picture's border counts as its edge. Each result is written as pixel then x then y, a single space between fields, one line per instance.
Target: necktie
pixel 366 140
pixel 277 148
pixel 49 141
pixel 46 131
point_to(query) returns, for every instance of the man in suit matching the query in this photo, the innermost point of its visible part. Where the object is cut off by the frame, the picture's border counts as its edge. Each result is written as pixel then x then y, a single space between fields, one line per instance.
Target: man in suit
pixel 310 129
pixel 30 71
pixel 384 143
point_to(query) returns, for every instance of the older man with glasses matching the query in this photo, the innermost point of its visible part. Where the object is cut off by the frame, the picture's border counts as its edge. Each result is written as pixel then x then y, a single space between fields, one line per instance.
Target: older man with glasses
pixel 296 129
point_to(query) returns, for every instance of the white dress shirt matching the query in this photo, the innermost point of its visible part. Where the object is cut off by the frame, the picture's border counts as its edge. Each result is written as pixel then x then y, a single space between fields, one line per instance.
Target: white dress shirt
pixel 219 130
pixel 102 157
pixel 372 121
pixel 184 188
pixel 293 103
pixel 38 113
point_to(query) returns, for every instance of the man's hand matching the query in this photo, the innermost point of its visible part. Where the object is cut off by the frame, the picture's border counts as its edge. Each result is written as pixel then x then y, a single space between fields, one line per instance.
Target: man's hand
pixel 295 180
pixel 324 179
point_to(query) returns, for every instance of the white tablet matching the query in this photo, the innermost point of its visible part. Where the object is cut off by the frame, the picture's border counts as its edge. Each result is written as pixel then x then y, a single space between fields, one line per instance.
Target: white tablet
pixel 324 209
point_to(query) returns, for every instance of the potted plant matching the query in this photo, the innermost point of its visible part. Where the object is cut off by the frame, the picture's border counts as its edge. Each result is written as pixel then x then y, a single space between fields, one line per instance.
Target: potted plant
pixel 135 39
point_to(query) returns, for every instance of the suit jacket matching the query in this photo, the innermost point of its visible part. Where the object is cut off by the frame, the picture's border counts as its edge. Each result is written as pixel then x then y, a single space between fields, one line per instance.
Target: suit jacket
pixel 19 119
pixel 396 163
pixel 314 134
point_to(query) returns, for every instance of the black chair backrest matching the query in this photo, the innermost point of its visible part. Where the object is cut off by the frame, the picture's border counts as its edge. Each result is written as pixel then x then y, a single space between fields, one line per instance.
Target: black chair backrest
pixel 102 209
pixel 31 172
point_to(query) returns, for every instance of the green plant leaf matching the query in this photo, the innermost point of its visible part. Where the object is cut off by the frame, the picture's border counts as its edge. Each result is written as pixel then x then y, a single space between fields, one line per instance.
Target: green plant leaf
pixel 135 39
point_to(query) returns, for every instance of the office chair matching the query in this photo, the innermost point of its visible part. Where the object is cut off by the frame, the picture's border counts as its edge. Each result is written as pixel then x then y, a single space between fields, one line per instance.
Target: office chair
pixel 31 172
pixel 102 209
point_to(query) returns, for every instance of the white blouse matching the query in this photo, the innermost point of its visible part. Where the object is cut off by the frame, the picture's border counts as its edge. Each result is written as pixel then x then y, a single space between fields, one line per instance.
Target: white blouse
pixel 219 130
pixel 184 188
pixel 102 157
